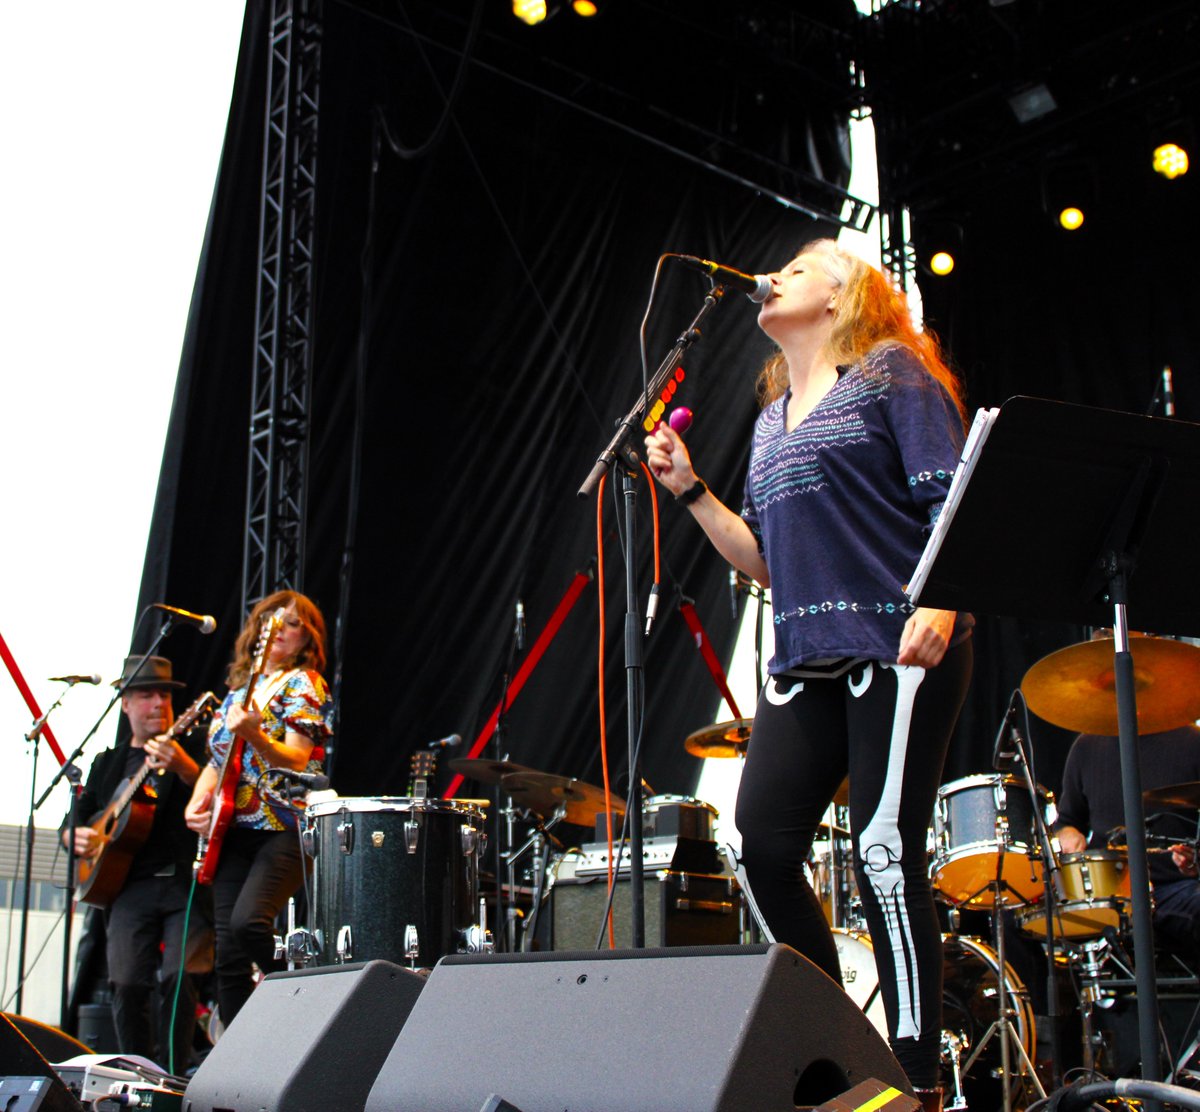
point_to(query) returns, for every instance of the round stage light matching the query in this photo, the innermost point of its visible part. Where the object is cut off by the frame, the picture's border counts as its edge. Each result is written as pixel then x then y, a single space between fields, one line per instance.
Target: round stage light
pixel 1170 160
pixel 941 263
pixel 1071 218
pixel 530 11
pixel 585 8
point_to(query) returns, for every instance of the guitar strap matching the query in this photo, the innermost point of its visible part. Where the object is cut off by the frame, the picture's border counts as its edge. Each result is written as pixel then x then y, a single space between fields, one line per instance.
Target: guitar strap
pixel 265 692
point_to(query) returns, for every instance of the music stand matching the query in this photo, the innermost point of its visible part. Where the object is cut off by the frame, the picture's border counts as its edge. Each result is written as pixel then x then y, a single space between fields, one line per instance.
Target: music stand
pixel 1103 495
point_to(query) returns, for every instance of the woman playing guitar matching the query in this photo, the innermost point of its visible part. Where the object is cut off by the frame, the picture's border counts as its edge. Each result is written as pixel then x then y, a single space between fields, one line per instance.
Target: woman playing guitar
pixel 276 715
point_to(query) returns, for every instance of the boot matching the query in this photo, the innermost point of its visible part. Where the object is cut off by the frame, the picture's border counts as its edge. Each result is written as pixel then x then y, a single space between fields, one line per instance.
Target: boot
pixel 931 1099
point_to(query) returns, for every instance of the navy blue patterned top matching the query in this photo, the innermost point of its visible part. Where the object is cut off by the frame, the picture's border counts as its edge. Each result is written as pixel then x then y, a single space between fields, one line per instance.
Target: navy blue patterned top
pixel 843 504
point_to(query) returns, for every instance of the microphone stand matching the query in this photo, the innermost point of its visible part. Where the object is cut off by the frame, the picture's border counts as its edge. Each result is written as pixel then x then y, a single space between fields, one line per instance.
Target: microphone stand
pixel 71 773
pixel 621 452
pixel 504 914
pixel 1051 892
pixel 34 736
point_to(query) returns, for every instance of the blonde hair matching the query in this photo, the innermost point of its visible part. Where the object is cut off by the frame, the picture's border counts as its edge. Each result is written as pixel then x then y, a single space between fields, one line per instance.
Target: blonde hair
pixel 869 311
pixel 311 654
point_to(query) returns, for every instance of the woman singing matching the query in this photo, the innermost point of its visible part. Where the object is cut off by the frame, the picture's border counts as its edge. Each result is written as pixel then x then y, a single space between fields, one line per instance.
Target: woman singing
pixel 286 725
pixel 850 463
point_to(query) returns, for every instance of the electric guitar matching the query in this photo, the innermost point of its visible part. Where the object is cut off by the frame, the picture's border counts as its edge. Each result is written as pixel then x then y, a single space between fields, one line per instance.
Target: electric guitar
pixel 224 802
pixel 124 825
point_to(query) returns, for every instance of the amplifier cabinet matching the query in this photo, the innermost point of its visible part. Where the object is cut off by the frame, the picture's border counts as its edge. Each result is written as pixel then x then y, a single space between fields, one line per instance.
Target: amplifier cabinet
pixel 681 909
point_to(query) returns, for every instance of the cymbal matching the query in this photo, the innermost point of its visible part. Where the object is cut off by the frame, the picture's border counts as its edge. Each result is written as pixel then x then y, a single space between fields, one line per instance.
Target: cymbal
pixel 1075 687
pixel 1174 795
pixel 725 739
pixel 485 771
pixel 544 793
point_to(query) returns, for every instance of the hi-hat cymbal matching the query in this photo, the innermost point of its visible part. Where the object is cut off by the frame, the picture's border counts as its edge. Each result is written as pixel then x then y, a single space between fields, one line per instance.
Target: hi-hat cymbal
pixel 544 793
pixel 725 739
pixel 1174 795
pixel 1075 687
pixel 485 771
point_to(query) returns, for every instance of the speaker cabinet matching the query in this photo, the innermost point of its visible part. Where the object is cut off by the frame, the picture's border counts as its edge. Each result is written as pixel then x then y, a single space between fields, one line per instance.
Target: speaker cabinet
pixel 27 1080
pixel 307 1041
pixel 723 1029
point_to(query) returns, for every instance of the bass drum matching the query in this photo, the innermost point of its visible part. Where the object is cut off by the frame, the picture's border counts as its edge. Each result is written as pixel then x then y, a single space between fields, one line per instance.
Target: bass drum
pixel 394 878
pixel 969 1007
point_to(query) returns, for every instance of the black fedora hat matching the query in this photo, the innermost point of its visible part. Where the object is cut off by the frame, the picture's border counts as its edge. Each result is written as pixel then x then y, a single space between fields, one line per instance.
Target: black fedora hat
pixel 155 673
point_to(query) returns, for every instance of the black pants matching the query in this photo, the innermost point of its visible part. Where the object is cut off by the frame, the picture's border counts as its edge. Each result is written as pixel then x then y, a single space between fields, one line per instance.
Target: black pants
pixel 889 727
pixel 258 871
pixel 145 929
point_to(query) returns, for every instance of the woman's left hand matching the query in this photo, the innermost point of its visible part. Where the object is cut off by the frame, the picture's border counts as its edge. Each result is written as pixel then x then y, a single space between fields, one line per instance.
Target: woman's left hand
pixel 925 637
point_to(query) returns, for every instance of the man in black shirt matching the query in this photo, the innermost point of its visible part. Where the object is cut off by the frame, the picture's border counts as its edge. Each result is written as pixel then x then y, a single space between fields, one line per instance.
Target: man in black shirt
pixel 1091 806
pixel 146 919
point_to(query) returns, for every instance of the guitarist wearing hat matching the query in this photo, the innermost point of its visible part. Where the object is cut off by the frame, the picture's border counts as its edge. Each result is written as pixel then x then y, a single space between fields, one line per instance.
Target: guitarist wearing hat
pixel 135 854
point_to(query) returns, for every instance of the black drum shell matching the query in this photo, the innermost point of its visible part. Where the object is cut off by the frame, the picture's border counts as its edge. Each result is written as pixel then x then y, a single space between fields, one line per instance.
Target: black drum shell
pixel 366 879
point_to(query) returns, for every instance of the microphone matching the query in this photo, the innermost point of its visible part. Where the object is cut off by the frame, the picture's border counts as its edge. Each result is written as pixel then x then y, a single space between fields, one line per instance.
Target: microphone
pixel 734 584
pixel 757 287
pixel 314 781
pixel 447 742
pixel 1002 757
pixel 73 680
pixel 205 623
pixel 1168 393
pixel 518 629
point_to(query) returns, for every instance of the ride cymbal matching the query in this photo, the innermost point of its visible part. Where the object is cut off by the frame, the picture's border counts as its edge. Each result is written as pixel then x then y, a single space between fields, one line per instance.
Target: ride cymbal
pixel 1075 687
pixel 1186 794
pixel 544 793
pixel 725 739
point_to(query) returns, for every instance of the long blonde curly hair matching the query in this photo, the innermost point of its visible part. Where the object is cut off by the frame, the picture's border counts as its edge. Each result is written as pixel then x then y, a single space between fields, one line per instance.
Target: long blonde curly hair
pixel 311 655
pixel 869 311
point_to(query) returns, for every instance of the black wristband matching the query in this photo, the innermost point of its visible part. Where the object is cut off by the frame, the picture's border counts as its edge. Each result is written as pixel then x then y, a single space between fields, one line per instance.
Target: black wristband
pixel 692 493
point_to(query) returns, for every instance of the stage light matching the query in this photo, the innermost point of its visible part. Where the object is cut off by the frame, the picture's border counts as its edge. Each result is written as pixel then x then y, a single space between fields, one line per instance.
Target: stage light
pixel 1170 160
pixel 1032 103
pixel 939 242
pixel 1069 192
pixel 585 8
pixel 941 263
pixel 529 11
pixel 1071 218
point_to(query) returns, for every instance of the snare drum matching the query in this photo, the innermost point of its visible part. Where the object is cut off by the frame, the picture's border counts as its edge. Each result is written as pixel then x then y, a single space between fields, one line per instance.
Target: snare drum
pixel 394 878
pixel 984 832
pixel 1095 886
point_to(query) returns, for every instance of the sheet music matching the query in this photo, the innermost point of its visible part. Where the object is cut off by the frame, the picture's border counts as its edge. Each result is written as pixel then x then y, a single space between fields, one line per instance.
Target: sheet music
pixel 980 427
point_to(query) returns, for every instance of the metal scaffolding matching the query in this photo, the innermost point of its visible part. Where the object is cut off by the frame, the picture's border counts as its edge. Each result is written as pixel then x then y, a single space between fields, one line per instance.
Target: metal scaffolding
pixel 277 473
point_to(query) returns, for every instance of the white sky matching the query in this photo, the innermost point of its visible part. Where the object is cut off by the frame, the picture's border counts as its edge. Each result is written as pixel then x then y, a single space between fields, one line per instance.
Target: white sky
pixel 111 135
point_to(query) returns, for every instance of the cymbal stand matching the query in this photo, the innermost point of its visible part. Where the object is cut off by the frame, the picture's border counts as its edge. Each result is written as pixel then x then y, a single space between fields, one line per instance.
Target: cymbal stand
pixel 1002 1026
pixel 540 842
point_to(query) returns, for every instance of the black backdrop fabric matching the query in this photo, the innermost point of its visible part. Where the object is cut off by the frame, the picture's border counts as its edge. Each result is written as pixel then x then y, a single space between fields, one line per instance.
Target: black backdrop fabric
pixel 505 275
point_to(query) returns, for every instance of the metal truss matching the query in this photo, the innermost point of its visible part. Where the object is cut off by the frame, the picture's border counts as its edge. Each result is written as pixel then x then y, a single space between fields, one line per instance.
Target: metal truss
pixel 896 250
pixel 277 474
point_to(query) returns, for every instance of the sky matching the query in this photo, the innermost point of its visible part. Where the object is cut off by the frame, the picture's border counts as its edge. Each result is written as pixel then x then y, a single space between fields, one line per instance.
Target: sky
pixel 111 136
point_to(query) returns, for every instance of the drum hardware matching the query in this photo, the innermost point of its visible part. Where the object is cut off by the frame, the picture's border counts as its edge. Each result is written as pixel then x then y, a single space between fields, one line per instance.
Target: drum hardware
pixel 1075 687
pixel 412 944
pixel 412 835
pixel 345 944
pixel 953 1048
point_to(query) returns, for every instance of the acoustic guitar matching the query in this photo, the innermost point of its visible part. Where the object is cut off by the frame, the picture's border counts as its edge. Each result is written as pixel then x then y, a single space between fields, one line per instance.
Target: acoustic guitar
pixel 124 825
pixel 224 803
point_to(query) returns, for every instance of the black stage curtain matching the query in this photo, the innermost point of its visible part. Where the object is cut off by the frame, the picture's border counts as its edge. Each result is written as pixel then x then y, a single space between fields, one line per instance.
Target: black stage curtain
pixel 477 313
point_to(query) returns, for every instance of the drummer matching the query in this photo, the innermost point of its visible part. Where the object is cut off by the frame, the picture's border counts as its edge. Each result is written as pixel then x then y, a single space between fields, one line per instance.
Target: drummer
pixel 1091 807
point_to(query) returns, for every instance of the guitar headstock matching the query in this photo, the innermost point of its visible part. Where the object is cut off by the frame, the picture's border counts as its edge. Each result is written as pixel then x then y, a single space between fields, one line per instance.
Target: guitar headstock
pixel 198 713
pixel 422 767
pixel 266 638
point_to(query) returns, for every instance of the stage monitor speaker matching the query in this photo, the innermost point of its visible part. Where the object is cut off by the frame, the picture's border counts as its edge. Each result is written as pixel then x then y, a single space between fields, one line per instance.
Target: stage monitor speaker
pixel 693 1029
pixel 27 1080
pixel 307 1041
